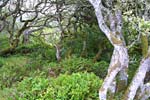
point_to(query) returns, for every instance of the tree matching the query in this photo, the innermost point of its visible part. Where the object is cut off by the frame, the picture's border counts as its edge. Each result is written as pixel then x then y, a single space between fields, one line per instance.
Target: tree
pixel 119 61
pixel 23 17
pixel 138 85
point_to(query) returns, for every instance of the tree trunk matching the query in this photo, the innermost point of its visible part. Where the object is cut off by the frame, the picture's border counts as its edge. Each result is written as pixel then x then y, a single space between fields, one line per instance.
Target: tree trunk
pixel 138 79
pixel 119 62
pixel 145 92
pixel 101 47
pixel 69 53
pixel 25 38
pixel 97 56
pixel 58 52
pixel 84 49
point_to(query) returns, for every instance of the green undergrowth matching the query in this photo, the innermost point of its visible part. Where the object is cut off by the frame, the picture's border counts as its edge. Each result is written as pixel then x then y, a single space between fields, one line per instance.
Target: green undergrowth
pixel 19 72
pixel 79 64
pixel 27 75
pixel 12 70
pixel 77 86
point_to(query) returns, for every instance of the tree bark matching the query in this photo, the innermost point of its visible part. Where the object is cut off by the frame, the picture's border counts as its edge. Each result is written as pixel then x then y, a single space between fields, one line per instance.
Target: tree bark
pixel 84 49
pixel 97 56
pixel 25 37
pixel 145 92
pixel 58 52
pixel 138 79
pixel 119 60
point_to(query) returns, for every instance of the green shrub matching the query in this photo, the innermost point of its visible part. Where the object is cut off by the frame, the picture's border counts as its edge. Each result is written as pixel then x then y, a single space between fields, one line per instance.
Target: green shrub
pixel 75 64
pixel 78 86
pixel 78 64
pixel 30 88
pixel 100 68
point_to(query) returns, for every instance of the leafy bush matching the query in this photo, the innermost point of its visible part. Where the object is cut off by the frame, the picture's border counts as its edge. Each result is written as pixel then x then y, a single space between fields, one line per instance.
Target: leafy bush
pixel 78 64
pixel 78 86
pixel 14 68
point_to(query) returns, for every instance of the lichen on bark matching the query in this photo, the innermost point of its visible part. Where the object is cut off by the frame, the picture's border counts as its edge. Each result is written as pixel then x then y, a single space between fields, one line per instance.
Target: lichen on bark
pixel 144 44
pixel 115 40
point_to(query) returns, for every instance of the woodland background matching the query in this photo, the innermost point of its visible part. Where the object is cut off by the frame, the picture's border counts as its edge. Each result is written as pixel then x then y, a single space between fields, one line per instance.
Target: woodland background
pixel 57 49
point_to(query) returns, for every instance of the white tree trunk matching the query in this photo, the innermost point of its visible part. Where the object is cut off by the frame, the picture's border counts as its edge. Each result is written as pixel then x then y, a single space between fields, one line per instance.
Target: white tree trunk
pixel 58 52
pixel 145 93
pixel 118 62
pixel 138 79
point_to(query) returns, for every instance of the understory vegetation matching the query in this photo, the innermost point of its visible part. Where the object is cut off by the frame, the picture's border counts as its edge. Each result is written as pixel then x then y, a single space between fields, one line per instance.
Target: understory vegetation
pixel 74 50
pixel 33 73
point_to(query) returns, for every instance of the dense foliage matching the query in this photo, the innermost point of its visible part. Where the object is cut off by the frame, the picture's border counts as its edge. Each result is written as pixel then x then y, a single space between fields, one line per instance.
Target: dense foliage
pixel 56 49
pixel 78 86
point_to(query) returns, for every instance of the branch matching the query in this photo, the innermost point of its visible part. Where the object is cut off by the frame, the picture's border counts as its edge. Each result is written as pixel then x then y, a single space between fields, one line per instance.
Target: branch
pixel 3 4
pixel 97 4
pixel 138 79
pixel 143 93
pixel 119 21
pixel 134 42
pixel 112 21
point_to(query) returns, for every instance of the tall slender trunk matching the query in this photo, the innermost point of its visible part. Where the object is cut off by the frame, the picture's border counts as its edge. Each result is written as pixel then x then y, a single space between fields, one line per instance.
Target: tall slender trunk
pixel 84 49
pixel 58 52
pixel 97 56
pixel 25 38
pixel 138 79
pixel 118 63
